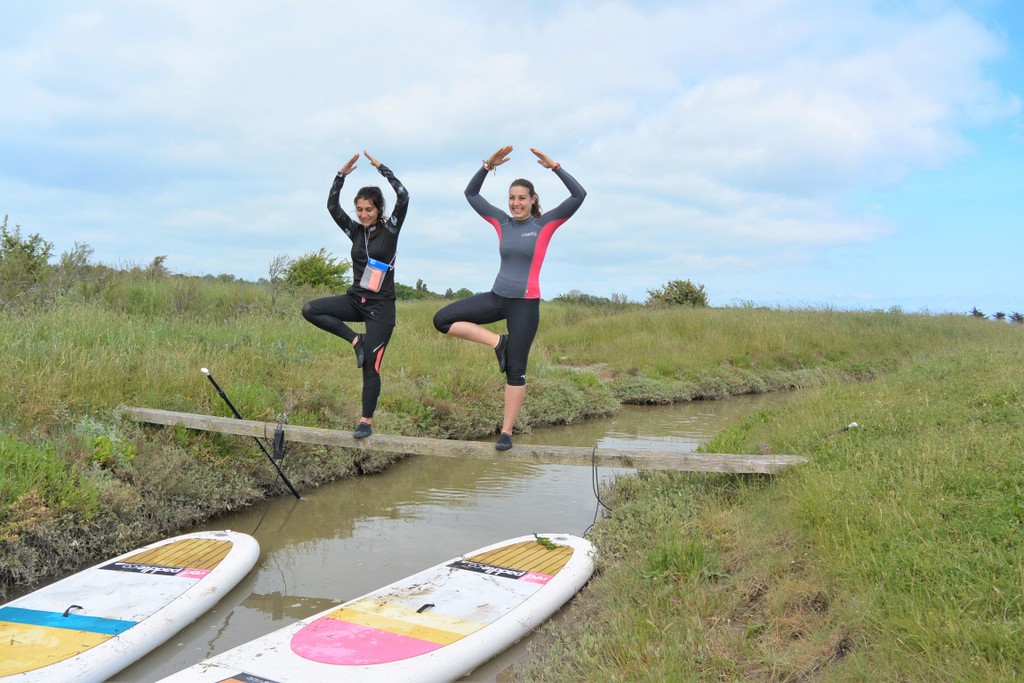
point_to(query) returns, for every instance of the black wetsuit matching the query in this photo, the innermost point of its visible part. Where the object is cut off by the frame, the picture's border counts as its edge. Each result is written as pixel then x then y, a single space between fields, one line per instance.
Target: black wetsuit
pixel 359 304
pixel 515 296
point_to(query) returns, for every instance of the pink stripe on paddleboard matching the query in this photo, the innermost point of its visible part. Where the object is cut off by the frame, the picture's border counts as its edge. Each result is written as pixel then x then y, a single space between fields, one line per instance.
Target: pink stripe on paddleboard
pixel 332 641
pixel 533 577
pixel 193 573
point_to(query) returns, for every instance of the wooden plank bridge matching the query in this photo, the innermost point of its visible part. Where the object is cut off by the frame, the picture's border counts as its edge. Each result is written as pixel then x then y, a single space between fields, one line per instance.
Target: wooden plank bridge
pixel 573 455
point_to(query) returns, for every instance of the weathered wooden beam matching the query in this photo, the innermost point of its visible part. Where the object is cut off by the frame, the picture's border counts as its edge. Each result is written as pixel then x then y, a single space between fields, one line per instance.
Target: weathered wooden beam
pixel 575 455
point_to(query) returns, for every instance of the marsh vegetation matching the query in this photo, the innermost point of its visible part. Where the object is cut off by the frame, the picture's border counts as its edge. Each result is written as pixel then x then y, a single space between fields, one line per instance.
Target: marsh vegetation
pixel 895 553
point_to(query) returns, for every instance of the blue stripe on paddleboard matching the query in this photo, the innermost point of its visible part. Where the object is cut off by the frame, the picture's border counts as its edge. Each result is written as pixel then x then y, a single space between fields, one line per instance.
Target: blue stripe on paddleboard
pixel 76 622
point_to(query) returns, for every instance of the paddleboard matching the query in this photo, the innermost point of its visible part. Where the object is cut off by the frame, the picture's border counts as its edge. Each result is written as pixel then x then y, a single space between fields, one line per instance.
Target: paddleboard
pixel 92 624
pixel 432 626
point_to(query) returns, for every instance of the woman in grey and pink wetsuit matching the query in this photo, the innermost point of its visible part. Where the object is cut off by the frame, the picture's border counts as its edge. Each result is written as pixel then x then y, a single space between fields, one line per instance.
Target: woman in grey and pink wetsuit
pixel 523 240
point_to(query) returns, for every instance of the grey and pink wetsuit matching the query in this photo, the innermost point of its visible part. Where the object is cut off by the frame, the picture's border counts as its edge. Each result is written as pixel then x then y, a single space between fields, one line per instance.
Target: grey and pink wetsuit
pixel 515 295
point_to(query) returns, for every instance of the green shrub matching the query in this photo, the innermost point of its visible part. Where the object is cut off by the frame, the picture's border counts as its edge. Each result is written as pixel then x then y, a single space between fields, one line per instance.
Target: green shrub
pixel 318 269
pixel 23 263
pixel 105 445
pixel 678 293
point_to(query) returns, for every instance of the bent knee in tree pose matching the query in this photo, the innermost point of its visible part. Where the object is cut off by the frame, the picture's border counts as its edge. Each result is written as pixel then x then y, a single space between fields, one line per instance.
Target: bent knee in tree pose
pixel 523 236
pixel 371 298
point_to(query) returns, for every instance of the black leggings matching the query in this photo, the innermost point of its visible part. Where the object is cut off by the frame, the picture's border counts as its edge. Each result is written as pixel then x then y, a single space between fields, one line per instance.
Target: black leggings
pixel 522 317
pixel 332 312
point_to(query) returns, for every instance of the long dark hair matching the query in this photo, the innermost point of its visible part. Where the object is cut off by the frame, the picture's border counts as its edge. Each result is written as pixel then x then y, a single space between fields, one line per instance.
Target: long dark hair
pixel 522 182
pixel 373 195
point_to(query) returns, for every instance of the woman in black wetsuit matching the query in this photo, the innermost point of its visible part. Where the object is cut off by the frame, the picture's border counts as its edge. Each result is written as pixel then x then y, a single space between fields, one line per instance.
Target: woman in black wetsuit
pixel 523 240
pixel 371 298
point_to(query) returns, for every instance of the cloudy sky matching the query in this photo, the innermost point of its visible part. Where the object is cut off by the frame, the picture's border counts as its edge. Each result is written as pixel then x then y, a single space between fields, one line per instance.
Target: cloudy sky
pixel 852 154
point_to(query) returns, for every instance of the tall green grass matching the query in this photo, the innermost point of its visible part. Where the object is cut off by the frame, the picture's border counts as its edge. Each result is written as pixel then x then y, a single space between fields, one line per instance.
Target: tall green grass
pixel 39 470
pixel 141 341
pixel 895 553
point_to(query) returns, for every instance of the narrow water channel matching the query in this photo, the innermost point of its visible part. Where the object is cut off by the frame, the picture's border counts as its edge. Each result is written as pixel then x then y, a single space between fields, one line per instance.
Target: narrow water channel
pixel 353 536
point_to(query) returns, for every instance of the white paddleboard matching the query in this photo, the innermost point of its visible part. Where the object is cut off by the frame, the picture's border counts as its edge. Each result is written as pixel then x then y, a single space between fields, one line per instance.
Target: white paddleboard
pixel 432 626
pixel 92 624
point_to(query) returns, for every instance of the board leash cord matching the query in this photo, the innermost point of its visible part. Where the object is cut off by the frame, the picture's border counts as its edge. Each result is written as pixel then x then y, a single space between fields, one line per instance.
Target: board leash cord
pixel 596 486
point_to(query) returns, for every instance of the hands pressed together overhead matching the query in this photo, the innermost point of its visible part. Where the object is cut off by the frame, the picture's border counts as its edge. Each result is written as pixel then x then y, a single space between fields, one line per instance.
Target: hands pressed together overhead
pixel 350 165
pixel 502 155
pixel 497 159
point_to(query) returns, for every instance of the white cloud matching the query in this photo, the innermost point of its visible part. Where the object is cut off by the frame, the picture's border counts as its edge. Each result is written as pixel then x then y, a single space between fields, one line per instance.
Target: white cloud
pixel 719 136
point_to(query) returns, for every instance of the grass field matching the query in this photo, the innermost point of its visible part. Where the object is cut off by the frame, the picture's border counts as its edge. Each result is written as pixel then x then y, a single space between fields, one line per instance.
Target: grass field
pixel 895 553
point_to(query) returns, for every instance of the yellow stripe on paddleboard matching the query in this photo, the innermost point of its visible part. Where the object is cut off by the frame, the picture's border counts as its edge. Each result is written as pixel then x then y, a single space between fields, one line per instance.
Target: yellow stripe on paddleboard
pixel 528 556
pixel 196 553
pixel 432 627
pixel 27 648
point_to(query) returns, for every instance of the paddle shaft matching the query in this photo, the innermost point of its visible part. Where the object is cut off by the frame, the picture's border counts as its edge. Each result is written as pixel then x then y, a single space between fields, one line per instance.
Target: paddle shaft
pixel 259 443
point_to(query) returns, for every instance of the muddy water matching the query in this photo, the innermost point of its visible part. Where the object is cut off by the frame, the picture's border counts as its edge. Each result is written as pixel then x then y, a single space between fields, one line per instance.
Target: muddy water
pixel 350 537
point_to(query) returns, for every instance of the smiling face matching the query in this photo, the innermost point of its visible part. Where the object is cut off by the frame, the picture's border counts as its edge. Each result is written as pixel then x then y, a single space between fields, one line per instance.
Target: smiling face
pixel 520 202
pixel 366 212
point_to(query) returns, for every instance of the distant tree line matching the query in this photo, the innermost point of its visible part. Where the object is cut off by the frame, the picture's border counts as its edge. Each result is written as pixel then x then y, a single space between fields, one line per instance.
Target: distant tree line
pixel 27 278
pixel 1016 318
pixel 322 270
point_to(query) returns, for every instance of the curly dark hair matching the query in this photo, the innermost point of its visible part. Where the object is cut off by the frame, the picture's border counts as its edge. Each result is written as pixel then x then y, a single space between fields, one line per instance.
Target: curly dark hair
pixel 373 195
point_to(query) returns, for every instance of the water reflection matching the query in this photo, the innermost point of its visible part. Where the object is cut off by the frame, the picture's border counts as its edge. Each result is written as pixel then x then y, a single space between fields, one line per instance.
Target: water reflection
pixel 681 427
pixel 353 536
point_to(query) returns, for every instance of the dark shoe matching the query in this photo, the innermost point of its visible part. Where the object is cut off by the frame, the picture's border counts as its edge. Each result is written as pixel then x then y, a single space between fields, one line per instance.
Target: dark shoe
pixel 360 356
pixel 504 442
pixel 499 351
pixel 363 430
